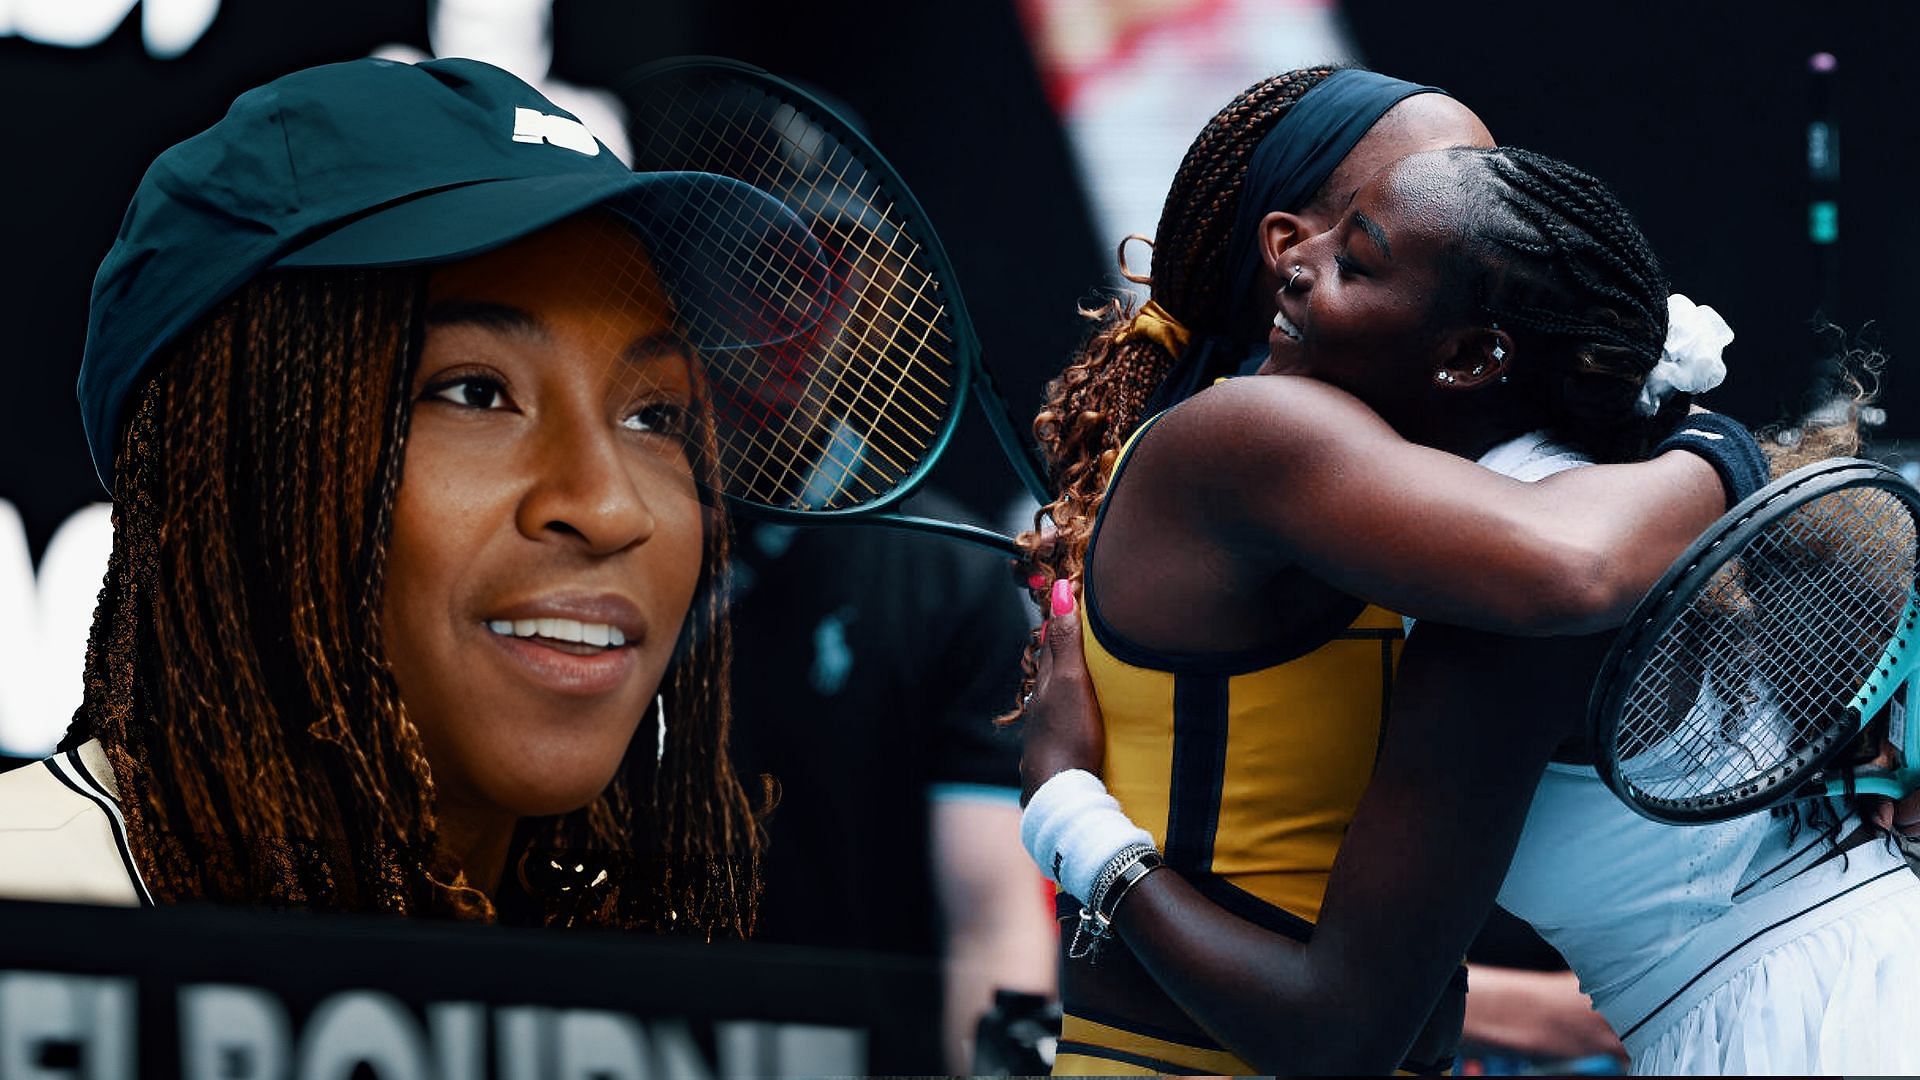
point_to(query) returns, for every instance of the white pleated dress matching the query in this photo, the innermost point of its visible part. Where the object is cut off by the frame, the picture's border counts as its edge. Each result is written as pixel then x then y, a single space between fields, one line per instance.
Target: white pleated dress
pixel 1744 947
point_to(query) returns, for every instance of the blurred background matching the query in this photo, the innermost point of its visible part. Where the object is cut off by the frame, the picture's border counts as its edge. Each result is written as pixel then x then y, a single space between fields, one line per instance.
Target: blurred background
pixel 1036 133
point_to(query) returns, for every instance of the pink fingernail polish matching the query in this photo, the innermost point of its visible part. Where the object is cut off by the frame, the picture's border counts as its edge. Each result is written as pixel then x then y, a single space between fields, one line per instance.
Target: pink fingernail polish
pixel 1037 581
pixel 1063 597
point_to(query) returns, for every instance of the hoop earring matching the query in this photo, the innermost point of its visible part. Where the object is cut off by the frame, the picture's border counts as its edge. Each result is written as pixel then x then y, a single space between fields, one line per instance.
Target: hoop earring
pixel 1297 271
pixel 660 723
pixel 1137 279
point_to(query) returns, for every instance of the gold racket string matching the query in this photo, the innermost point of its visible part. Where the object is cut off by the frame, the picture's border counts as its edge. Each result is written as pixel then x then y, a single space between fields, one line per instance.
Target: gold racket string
pixel 842 416
pixel 836 395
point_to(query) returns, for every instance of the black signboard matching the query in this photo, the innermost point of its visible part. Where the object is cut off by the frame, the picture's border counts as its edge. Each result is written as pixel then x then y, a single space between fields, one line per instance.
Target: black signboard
pixel 232 994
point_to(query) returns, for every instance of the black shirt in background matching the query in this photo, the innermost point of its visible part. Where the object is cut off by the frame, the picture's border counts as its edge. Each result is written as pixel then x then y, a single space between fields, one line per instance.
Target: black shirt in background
pixel 868 666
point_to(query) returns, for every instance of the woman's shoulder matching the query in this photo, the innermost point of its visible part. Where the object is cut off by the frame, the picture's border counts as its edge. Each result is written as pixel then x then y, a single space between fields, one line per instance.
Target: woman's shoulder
pixel 1268 419
pixel 61 836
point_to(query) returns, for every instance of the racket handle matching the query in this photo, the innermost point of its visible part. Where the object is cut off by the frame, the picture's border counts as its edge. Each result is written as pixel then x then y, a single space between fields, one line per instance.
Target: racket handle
pixel 1897 665
pixel 1893 785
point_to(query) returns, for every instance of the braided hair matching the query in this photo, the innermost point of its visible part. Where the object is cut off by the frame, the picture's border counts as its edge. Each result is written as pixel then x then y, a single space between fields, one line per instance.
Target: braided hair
pixel 1097 401
pixel 1546 251
pixel 235 673
pixel 1549 254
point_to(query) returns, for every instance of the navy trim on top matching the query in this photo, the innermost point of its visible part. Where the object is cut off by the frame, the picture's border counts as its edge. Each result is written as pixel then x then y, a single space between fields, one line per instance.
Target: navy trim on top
pixel 1261 913
pixel 1335 626
pixel 1128 1057
pixel 1230 897
pixel 1199 771
pixel 1196 1039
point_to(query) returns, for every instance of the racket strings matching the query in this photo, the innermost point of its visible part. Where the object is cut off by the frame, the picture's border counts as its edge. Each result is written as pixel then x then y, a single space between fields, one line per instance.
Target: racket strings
pixel 860 331
pixel 1748 687
pixel 748 375
pixel 1740 671
pixel 841 414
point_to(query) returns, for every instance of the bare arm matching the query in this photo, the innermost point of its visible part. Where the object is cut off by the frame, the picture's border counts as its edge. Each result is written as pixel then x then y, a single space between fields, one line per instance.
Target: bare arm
pixel 1542 1013
pixel 995 914
pixel 1475 719
pixel 1290 467
pixel 1414 878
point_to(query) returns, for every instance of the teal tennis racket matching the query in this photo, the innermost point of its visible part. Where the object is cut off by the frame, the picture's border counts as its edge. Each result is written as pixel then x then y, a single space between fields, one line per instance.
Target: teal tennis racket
pixel 1775 659
pixel 839 422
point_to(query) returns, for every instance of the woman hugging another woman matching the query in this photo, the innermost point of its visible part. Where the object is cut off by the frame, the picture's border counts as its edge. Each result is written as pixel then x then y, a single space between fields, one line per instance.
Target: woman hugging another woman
pixel 1488 304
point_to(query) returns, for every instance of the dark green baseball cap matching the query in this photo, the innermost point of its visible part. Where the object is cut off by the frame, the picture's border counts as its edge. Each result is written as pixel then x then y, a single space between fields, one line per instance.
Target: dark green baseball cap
pixel 374 163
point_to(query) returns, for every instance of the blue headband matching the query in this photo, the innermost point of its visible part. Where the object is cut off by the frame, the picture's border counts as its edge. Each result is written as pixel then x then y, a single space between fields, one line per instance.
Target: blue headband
pixel 1288 168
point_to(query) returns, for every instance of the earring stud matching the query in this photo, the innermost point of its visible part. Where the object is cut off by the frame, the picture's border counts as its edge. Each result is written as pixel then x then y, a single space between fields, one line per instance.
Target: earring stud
pixel 1478 368
pixel 1445 377
pixel 1499 352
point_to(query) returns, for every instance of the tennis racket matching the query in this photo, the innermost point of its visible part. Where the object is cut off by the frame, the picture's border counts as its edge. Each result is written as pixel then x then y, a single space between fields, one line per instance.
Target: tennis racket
pixel 843 420
pixel 1783 643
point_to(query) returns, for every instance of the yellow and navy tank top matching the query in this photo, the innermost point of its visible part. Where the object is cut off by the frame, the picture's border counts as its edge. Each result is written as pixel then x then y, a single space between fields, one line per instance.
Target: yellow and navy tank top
pixel 1246 768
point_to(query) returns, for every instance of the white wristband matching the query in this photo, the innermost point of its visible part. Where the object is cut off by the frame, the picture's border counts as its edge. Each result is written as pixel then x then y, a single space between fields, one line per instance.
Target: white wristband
pixel 1072 828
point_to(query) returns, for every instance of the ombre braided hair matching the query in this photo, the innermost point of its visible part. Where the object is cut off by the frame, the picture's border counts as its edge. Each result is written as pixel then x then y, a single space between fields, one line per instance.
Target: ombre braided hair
pixel 1098 401
pixel 236 674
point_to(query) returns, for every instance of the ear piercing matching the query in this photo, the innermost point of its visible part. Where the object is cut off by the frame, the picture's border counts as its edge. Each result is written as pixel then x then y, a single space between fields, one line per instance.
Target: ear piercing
pixel 1499 352
pixel 1297 271
pixel 1445 378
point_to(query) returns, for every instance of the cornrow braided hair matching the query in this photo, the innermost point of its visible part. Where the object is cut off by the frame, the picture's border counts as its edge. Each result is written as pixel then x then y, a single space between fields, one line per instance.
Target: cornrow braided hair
pixel 1097 401
pixel 236 675
pixel 1559 263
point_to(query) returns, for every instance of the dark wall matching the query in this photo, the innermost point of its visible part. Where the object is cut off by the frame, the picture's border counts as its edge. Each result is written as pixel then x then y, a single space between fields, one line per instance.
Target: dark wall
pixel 85 124
pixel 1696 113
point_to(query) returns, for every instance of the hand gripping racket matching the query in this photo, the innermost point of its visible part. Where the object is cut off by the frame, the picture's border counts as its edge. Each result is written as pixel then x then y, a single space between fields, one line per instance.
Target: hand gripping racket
pixel 841 421
pixel 1783 640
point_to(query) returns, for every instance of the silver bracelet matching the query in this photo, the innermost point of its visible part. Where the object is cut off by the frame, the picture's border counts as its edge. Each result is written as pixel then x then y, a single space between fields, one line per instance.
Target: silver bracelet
pixel 1117 878
pixel 1130 875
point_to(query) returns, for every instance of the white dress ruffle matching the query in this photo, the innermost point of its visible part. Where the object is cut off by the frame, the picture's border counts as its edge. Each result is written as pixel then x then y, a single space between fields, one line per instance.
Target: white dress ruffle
pixel 1722 949
pixel 1841 1000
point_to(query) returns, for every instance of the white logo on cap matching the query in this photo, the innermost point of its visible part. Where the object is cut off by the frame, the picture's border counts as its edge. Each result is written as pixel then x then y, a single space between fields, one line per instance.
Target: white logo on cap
pixel 534 126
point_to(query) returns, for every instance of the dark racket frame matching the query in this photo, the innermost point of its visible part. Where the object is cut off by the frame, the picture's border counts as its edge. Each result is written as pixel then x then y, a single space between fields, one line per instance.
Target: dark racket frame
pixel 890 200
pixel 1847 703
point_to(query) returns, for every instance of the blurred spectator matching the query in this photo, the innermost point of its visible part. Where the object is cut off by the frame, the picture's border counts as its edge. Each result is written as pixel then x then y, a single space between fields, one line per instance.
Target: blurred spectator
pixel 869 664
pixel 1525 1010
pixel 1535 1014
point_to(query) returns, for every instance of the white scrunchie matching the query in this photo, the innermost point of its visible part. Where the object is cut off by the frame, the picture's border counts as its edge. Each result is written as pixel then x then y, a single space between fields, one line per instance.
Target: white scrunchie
pixel 1690 360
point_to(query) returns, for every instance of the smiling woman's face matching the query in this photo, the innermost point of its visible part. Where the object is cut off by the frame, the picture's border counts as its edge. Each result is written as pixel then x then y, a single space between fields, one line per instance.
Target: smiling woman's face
pixel 1356 307
pixel 547 532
